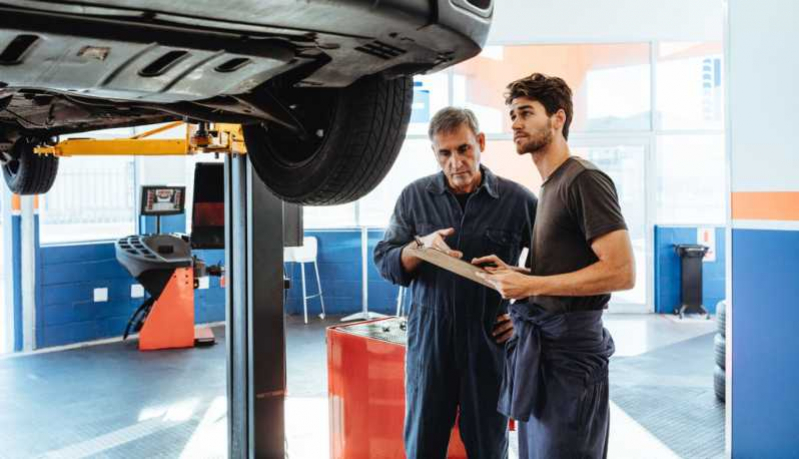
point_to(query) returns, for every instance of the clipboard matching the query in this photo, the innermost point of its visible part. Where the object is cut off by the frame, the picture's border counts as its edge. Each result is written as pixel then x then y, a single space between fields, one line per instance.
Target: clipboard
pixel 452 264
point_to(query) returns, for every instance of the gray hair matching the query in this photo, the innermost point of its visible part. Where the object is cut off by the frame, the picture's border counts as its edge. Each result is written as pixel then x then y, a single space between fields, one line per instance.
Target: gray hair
pixel 449 119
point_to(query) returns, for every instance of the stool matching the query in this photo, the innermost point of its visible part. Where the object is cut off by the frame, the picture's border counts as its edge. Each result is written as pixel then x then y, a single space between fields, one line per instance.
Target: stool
pixel 306 254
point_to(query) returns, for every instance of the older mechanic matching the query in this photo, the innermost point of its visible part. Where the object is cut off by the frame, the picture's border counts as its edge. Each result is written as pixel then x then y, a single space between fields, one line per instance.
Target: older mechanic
pixel 455 327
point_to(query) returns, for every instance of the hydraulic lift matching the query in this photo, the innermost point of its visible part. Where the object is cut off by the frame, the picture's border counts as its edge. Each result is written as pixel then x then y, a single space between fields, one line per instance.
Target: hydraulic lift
pixel 257 226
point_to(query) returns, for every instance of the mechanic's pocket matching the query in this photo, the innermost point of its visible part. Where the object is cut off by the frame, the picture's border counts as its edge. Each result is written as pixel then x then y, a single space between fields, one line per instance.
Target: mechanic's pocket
pixel 504 244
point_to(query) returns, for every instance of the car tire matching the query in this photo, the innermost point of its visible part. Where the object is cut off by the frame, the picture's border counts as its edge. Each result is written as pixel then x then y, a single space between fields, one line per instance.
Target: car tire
pixel 721 317
pixel 719 383
pixel 354 137
pixel 720 350
pixel 26 172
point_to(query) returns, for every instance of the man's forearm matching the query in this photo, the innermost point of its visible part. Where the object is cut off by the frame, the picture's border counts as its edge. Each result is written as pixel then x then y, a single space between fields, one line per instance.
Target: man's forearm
pixel 597 279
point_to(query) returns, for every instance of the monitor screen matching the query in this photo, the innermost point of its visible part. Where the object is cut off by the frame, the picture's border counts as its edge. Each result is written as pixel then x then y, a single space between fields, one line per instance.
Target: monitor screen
pixel 162 200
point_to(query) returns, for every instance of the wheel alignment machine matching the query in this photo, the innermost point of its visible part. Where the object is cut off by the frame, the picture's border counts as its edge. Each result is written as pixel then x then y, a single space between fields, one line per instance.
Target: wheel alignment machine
pixel 257 225
pixel 164 263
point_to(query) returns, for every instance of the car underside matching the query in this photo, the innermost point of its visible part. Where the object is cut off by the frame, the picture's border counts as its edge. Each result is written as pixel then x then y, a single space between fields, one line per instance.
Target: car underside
pixel 277 66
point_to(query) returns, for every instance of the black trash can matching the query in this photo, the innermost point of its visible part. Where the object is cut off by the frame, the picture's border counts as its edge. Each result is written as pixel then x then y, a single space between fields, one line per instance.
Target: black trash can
pixel 691 278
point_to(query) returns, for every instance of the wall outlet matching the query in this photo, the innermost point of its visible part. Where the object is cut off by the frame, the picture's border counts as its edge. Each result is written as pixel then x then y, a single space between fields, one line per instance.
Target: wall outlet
pixel 101 295
pixel 136 291
pixel 204 282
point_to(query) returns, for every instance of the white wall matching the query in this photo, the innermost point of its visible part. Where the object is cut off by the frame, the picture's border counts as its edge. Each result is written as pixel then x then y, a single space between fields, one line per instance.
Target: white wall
pixel 762 94
pixel 582 21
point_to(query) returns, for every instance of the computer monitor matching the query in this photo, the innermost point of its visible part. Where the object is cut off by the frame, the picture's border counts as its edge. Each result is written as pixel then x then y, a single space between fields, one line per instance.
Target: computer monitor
pixel 161 200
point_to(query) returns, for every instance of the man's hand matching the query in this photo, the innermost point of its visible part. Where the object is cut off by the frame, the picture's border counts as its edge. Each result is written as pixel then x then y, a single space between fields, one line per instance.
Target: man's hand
pixel 434 240
pixel 492 263
pixel 503 328
pixel 509 283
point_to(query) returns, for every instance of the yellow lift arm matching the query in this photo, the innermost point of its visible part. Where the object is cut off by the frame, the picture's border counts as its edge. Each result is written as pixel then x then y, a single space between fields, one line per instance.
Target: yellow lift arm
pixel 219 138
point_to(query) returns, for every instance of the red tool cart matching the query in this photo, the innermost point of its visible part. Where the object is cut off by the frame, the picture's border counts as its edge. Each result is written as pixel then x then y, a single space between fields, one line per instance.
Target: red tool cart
pixel 366 385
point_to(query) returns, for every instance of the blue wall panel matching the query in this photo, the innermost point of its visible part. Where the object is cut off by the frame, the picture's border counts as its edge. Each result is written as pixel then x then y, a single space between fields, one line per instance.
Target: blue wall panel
pixel 340 269
pixel 16 249
pixel 765 318
pixel 69 274
pixel 66 278
pixel 667 269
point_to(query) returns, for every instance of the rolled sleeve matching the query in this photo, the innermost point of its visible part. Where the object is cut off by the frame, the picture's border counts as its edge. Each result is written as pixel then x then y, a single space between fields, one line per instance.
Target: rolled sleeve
pixel 388 252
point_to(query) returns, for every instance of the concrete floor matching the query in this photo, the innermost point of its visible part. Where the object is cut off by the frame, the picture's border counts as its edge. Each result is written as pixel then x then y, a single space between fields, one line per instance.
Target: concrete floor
pixel 113 401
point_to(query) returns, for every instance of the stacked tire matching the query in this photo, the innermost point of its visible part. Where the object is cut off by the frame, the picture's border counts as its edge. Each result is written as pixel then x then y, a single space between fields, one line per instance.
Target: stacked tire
pixel 720 351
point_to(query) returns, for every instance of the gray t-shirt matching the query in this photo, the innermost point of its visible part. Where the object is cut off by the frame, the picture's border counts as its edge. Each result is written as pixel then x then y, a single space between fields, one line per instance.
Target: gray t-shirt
pixel 577 204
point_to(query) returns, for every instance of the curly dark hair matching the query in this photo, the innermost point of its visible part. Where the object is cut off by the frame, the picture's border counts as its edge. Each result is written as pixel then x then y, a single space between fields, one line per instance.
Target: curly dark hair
pixel 552 92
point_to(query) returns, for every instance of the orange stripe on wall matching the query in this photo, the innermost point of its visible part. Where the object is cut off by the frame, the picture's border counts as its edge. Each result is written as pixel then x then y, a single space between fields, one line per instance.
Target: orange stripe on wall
pixel 16 202
pixel 765 206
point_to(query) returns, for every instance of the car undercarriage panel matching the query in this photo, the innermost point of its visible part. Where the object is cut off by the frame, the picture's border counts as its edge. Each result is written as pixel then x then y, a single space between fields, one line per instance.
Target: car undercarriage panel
pixel 71 66
pixel 136 72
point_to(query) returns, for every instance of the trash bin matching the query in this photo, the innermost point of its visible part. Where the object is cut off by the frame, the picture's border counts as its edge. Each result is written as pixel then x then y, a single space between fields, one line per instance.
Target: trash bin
pixel 691 278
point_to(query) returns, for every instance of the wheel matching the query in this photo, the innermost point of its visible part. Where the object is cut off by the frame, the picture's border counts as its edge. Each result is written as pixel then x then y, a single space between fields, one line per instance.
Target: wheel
pixel 353 135
pixel 28 173
pixel 720 350
pixel 719 383
pixel 721 317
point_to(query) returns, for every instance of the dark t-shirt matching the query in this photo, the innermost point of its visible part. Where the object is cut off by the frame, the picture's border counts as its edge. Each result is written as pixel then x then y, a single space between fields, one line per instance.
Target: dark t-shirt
pixel 462 198
pixel 577 204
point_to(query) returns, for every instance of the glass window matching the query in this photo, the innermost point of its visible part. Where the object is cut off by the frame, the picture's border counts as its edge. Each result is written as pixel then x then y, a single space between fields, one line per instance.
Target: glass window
pixel 430 94
pixel 610 83
pixel 690 94
pixel 344 216
pixel 625 165
pixel 691 179
pixel 93 198
pixel 500 156
pixel 415 161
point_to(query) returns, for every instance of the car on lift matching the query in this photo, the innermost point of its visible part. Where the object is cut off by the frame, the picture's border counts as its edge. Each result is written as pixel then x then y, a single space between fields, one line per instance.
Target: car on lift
pixel 322 88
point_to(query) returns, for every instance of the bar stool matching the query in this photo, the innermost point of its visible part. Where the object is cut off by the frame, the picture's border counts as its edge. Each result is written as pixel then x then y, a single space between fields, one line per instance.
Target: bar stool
pixel 306 254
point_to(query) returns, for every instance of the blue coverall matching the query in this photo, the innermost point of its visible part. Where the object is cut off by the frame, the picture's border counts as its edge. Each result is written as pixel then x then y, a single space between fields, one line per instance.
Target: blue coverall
pixel 453 363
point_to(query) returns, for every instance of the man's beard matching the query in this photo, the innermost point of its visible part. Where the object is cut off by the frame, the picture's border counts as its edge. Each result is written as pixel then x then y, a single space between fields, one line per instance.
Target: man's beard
pixel 537 142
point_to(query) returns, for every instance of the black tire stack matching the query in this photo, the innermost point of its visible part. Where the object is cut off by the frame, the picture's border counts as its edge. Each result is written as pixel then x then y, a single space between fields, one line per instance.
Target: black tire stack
pixel 720 353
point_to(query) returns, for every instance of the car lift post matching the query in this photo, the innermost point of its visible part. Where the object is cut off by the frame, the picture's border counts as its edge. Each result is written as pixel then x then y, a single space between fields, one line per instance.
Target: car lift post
pixel 256 342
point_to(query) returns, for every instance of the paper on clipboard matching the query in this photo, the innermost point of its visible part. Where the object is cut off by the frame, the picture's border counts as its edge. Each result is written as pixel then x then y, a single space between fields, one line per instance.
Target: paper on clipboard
pixel 452 264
